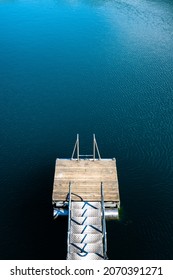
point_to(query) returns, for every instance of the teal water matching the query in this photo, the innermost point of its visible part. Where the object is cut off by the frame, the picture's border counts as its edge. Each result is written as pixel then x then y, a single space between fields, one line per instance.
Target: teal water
pixel 86 66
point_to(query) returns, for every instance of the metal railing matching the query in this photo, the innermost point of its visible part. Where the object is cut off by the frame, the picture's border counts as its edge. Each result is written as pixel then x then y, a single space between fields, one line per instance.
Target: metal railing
pixel 69 220
pixel 76 150
pixel 95 148
pixel 104 232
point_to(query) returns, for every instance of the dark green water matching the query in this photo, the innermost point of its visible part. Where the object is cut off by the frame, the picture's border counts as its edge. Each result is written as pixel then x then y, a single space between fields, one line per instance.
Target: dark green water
pixel 86 66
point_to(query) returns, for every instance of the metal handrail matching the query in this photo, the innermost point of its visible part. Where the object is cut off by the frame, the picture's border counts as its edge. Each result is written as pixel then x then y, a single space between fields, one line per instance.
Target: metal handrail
pixel 95 148
pixel 103 223
pixel 76 150
pixel 85 155
pixel 69 220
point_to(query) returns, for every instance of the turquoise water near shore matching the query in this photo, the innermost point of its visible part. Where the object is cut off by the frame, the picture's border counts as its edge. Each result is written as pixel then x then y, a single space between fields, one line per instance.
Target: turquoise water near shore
pixel 83 66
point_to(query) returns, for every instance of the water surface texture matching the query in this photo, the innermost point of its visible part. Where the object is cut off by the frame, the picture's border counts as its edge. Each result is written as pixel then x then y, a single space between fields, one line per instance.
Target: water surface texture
pixel 86 66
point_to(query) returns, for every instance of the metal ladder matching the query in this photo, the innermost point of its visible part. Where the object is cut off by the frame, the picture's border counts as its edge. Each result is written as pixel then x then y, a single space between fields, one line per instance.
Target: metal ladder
pixel 87 238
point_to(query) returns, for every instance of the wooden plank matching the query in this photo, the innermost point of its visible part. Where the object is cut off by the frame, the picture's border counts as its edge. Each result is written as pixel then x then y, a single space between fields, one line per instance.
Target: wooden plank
pixel 86 177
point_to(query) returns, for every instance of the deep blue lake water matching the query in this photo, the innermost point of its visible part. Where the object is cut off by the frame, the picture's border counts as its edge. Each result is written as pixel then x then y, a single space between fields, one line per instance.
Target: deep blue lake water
pixel 86 66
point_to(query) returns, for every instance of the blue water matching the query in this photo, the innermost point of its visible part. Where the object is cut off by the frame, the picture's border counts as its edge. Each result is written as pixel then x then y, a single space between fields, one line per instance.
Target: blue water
pixel 86 66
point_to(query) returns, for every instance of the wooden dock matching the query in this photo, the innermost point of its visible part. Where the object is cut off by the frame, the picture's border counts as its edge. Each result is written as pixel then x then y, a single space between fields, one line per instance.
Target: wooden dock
pixel 86 190
pixel 86 177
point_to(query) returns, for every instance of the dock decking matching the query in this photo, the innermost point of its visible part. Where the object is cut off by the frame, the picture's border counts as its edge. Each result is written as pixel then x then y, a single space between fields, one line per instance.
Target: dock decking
pixel 86 177
pixel 86 190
